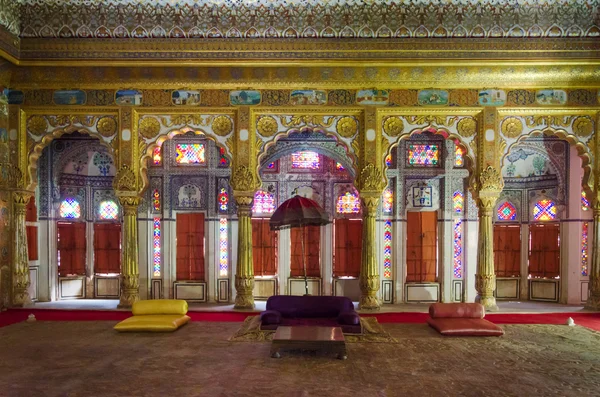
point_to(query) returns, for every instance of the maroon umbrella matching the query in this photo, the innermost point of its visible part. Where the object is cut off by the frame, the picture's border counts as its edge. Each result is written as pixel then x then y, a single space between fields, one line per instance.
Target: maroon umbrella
pixel 299 212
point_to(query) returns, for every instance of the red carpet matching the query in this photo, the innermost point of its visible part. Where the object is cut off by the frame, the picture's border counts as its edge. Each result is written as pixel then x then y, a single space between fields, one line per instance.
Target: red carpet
pixel 589 320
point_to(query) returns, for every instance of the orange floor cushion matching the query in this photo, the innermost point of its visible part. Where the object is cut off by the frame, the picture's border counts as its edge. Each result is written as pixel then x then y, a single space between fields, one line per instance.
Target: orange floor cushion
pixel 461 319
pixel 465 327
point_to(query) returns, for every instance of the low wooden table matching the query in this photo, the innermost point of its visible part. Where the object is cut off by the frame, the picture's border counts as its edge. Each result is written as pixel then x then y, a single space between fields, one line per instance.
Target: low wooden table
pixel 309 338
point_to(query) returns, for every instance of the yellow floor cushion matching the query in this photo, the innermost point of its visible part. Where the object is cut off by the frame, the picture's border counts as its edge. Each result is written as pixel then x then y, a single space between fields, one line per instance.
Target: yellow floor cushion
pixel 160 306
pixel 152 323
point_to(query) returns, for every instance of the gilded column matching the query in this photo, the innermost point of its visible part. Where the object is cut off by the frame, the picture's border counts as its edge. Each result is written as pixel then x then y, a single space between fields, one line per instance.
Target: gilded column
pixel 369 269
pixel 593 300
pixel 244 276
pixel 20 268
pixel 491 184
pixel 130 273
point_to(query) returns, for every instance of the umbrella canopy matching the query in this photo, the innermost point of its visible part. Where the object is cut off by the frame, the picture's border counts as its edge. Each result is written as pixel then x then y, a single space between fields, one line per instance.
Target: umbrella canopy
pixel 297 212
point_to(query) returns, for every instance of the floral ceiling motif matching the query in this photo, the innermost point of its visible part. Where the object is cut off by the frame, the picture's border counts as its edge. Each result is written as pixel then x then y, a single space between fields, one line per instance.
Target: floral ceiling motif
pixel 302 18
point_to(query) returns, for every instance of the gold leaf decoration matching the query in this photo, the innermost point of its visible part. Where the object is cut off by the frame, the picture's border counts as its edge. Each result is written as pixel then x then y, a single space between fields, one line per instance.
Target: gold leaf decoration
pixel 393 126
pixel 125 179
pixel 267 126
pixel 308 120
pixel 11 175
pixel 37 125
pixel 583 126
pixel 491 180
pixel 370 178
pixel 222 125
pixel 242 179
pixel 149 127
pixel 106 126
pixel 347 126
pixel 512 127
pixel 467 127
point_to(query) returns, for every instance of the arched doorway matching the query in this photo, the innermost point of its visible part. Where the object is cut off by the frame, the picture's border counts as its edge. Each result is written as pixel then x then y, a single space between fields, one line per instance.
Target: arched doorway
pixel 79 219
pixel 316 165
pixel 542 222
pixel 428 218
pixel 189 219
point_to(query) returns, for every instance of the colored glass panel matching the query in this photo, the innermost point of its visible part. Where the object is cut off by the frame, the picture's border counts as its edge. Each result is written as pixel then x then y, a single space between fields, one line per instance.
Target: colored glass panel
pixel 156 200
pixel 585 203
pixel 271 166
pixel 459 160
pixel 70 208
pixel 458 248
pixel 423 155
pixel 388 160
pixel 108 210
pixel 222 158
pixel 306 160
pixel 507 212
pixel 156 247
pixel 223 248
pixel 348 203
pixel 263 202
pixel 387 249
pixel 223 200
pixel 544 210
pixel 387 203
pixel 190 153
pixel 458 202
pixel 584 249
pixel 339 167
pixel 156 156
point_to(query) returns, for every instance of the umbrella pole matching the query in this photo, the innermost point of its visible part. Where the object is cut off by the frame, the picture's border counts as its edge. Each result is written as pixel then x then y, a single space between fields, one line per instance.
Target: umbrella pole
pixel 304 262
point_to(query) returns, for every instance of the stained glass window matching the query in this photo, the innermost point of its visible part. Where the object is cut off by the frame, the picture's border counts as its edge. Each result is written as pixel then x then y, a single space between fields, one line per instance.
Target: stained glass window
pixel 388 160
pixel 264 202
pixel 584 249
pixel 459 160
pixel 458 248
pixel 387 203
pixel 223 200
pixel 339 167
pixel 458 201
pixel 387 249
pixel 544 210
pixel 156 156
pixel 423 155
pixel 348 203
pixel 156 200
pixel 70 208
pixel 222 158
pixel 223 245
pixel 190 153
pixel 156 247
pixel 507 212
pixel 108 210
pixel 306 160
pixel 585 203
pixel 271 166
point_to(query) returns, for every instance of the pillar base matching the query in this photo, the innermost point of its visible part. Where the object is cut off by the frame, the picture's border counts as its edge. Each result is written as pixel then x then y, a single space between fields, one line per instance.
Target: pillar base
pixel 244 302
pixel 128 298
pixel 370 303
pixel 592 303
pixel 21 299
pixel 489 303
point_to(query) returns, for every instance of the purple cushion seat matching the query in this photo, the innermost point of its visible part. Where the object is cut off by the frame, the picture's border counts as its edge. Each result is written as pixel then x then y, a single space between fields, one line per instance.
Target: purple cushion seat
pixel 309 306
pixel 270 317
pixel 348 318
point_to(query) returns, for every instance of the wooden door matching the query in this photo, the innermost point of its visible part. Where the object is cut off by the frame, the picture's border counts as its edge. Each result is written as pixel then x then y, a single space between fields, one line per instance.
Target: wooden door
pixel 507 250
pixel 544 252
pixel 312 251
pixel 71 248
pixel 421 247
pixel 347 247
pixel 107 248
pixel 190 246
pixel 264 248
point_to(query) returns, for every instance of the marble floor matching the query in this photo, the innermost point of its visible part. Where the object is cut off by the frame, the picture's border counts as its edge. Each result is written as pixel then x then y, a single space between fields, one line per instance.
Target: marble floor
pixel 504 306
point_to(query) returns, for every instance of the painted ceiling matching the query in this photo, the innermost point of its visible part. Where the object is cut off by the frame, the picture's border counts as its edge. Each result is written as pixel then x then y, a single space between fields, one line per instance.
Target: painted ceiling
pixel 300 18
